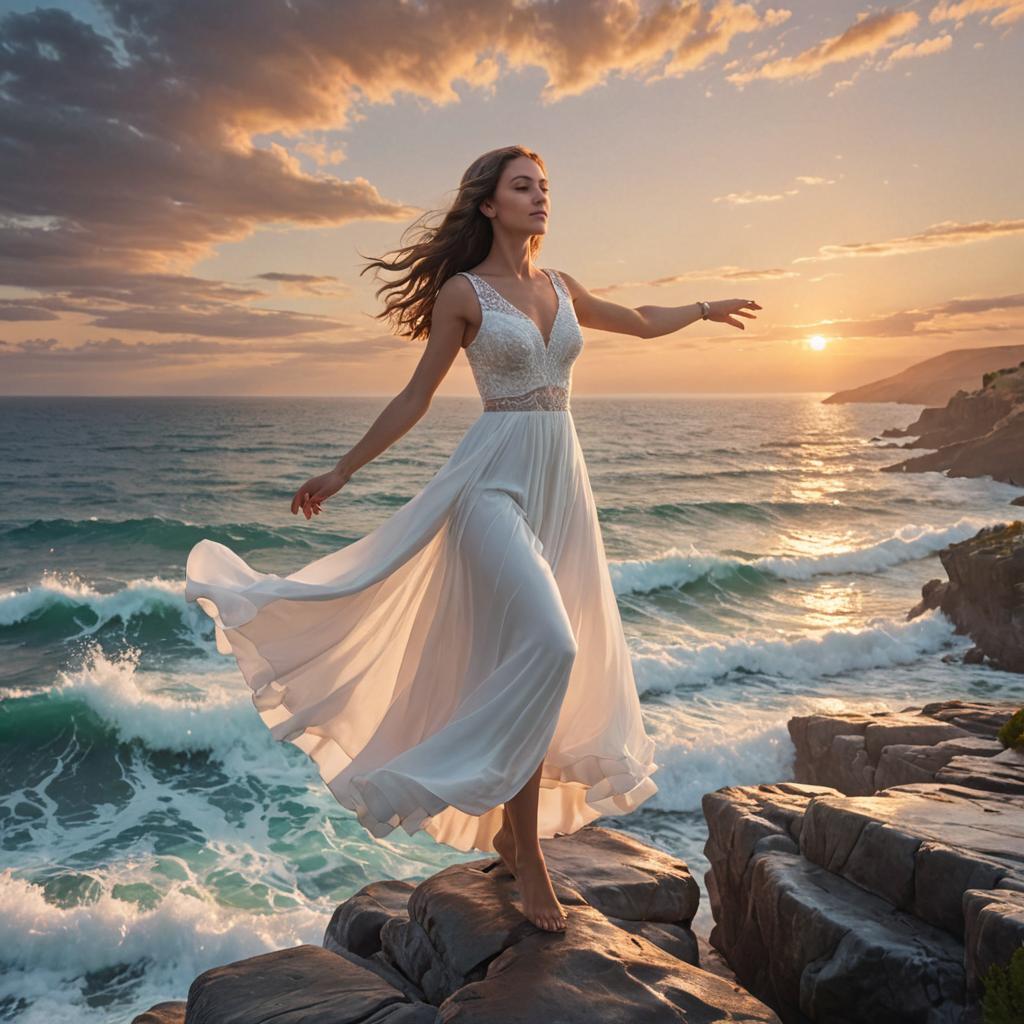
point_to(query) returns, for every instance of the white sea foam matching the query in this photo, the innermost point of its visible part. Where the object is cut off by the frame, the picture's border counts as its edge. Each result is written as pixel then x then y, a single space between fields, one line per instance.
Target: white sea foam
pixel 140 706
pixel 47 949
pixel 144 596
pixel 664 667
pixel 676 567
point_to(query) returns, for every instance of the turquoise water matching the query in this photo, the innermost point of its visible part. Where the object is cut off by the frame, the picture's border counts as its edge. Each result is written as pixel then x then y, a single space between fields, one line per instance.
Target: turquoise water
pixel 149 826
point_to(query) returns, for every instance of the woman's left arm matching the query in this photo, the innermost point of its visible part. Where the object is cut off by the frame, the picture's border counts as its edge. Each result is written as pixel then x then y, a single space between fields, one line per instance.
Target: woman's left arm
pixel 650 321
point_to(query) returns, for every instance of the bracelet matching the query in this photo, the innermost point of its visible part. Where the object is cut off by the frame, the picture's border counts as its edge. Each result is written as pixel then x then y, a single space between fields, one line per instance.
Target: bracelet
pixel 705 309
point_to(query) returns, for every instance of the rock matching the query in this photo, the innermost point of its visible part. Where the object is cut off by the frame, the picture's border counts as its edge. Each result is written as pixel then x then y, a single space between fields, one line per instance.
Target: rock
pixel 625 878
pixel 843 750
pixel 306 984
pixel 978 433
pixel 818 945
pixel 985 593
pixel 742 821
pixel 982 718
pixel 965 416
pixel 459 941
pixel 1019 500
pixel 918 846
pixel 172 1012
pixel 945 741
pixel 813 944
pixel 1003 773
pixel 900 763
pixel 994 929
pixel 999 454
pixel 462 917
pixel 679 942
pixel 356 923
pixel 600 974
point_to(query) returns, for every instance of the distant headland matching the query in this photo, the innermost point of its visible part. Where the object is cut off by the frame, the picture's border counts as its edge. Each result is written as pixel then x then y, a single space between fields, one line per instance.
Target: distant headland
pixel 934 381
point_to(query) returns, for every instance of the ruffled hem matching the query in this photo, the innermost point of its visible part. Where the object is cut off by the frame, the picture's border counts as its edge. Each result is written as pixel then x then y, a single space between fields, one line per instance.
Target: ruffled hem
pixel 581 790
pixel 404 803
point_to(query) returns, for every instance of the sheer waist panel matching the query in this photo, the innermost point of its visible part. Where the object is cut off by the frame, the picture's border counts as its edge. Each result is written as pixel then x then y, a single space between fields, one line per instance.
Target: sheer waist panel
pixel 549 396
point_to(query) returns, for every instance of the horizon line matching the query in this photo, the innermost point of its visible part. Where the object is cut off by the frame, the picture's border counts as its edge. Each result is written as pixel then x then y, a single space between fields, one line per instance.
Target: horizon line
pixel 391 394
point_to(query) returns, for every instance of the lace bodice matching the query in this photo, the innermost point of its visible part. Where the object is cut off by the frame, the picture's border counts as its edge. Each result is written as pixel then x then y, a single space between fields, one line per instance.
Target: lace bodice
pixel 511 365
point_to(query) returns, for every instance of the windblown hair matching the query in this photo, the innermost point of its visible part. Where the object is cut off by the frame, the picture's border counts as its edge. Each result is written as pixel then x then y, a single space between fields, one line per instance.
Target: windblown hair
pixel 460 241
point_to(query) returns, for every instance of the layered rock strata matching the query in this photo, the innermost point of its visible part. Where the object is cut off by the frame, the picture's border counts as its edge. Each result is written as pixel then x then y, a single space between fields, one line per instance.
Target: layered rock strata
pixel 849 909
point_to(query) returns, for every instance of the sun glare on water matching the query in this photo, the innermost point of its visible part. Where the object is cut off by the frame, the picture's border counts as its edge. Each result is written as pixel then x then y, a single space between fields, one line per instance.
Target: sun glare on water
pixel 817 342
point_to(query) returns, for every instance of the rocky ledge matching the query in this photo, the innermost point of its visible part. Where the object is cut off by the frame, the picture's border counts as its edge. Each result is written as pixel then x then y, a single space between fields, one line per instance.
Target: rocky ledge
pixel 984 595
pixel 978 433
pixel 456 948
pixel 864 900
pixel 880 884
pixel 951 741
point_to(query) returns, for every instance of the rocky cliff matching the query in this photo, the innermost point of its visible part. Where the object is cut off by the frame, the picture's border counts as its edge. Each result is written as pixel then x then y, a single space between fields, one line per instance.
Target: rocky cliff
pixel 880 884
pixel 455 948
pixel 984 595
pixel 855 901
pixel 980 433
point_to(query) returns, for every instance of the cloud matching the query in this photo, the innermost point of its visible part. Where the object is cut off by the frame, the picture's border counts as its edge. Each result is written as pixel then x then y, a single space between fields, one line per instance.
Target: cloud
pixel 940 236
pixel 136 145
pixel 1008 11
pixel 871 33
pixel 925 48
pixel 710 274
pixel 305 284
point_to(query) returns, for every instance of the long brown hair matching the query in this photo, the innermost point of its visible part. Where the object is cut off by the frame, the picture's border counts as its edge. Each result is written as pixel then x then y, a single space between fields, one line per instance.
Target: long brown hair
pixel 460 241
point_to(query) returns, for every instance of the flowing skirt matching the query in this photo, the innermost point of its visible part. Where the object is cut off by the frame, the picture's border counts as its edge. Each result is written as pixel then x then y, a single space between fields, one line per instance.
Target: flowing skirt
pixel 429 667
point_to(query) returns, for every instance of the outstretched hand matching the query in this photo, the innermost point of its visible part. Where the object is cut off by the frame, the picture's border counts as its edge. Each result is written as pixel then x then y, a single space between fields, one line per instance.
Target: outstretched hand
pixel 315 491
pixel 723 311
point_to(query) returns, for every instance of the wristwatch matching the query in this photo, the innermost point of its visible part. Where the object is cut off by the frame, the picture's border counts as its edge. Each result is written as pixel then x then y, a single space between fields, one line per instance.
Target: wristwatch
pixel 705 309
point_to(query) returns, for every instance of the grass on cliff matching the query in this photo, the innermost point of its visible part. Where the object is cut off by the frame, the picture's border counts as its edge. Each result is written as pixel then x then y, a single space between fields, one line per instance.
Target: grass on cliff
pixel 1003 1001
pixel 1011 732
pixel 1010 379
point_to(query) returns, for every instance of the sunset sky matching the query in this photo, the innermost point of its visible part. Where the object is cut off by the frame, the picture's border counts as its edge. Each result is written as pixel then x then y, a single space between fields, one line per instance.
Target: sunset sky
pixel 187 185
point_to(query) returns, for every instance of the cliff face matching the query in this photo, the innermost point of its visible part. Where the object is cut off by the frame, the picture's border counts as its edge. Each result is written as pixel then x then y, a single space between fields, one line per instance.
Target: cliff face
pixel 934 381
pixel 888 906
pixel 965 416
pixel 984 595
pixel 980 433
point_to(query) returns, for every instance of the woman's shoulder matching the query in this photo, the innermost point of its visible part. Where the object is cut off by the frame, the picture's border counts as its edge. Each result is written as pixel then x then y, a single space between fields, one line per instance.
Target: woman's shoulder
pixel 572 286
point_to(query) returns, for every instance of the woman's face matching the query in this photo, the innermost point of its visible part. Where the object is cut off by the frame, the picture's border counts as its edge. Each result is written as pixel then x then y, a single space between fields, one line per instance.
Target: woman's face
pixel 521 202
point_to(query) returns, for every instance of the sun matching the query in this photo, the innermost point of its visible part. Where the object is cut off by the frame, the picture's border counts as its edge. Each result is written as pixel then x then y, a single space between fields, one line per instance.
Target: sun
pixel 817 342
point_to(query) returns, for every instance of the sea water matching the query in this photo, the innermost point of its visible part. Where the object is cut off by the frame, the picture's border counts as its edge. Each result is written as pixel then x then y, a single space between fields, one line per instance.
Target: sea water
pixel 150 827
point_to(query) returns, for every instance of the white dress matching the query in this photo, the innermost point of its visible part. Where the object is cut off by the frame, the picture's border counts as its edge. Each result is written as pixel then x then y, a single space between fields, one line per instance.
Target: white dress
pixel 429 666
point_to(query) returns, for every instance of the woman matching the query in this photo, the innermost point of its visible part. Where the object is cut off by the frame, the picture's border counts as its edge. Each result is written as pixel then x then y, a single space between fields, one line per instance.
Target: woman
pixel 462 668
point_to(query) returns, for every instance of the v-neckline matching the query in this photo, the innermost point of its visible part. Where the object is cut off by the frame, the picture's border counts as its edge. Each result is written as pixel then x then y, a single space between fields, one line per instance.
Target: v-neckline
pixel 513 306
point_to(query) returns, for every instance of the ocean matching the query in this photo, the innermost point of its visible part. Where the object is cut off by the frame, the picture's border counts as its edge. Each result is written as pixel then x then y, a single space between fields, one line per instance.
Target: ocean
pixel 150 827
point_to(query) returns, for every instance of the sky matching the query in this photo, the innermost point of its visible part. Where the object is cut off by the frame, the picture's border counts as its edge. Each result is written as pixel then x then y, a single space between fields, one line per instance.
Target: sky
pixel 186 187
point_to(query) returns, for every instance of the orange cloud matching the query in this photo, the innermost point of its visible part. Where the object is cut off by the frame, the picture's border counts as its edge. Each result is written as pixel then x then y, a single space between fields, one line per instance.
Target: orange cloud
pixel 940 236
pixel 867 36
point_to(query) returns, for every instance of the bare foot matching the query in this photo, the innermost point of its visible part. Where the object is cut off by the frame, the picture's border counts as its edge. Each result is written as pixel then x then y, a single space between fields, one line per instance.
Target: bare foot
pixel 540 904
pixel 505 844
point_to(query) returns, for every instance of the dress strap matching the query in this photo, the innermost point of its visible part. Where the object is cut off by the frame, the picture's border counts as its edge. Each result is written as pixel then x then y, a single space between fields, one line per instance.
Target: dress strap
pixel 472 278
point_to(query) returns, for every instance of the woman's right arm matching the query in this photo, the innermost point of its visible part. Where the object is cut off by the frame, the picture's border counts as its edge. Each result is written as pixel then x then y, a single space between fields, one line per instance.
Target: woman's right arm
pixel 448 322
